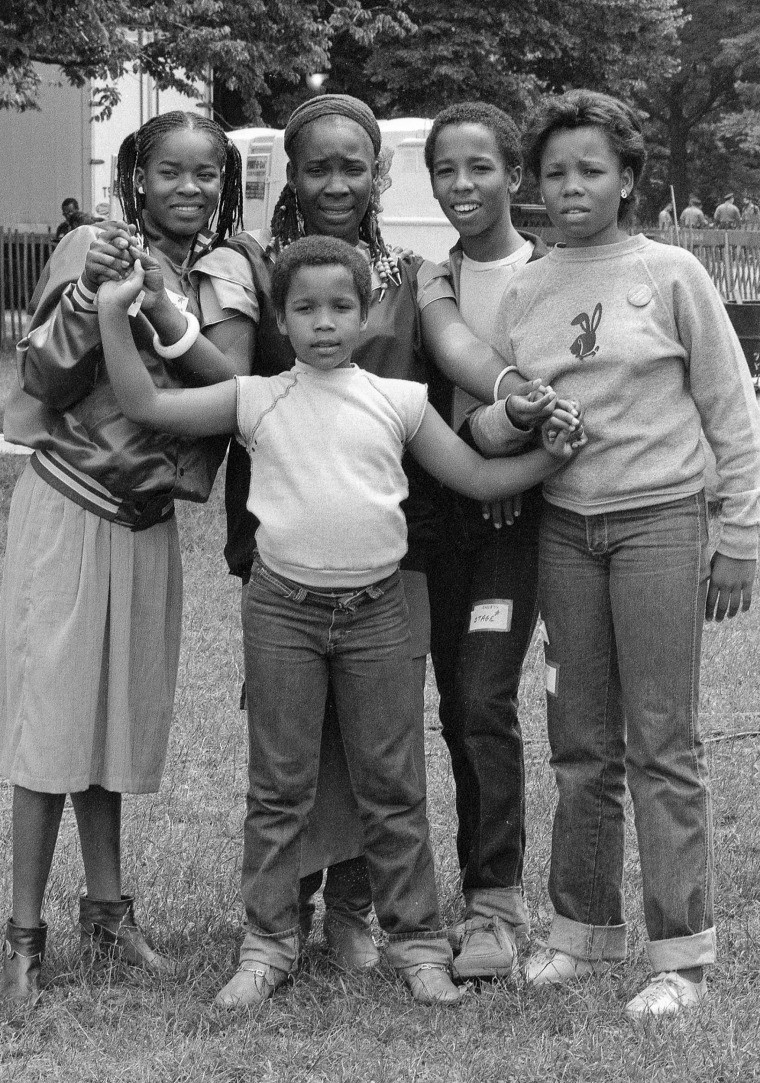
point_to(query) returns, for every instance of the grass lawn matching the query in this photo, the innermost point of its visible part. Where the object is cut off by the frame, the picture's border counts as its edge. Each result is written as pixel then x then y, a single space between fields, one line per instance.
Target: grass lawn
pixel 182 857
pixel 7 376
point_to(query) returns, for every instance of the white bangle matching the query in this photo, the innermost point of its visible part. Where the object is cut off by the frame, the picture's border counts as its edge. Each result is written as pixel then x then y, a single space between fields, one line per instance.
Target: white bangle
pixel 182 345
pixel 500 377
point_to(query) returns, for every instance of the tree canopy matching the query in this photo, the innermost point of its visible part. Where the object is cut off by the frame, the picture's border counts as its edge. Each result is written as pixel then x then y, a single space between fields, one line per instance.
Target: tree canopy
pixel 704 113
pixel 692 67
pixel 247 43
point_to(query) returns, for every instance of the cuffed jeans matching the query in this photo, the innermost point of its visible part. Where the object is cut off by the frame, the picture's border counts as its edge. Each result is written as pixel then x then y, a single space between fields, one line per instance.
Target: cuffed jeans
pixel 483 612
pixel 622 596
pixel 295 639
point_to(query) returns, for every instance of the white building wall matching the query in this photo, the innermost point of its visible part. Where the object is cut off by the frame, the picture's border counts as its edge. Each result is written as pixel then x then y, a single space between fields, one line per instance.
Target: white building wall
pixel 45 154
pixel 61 150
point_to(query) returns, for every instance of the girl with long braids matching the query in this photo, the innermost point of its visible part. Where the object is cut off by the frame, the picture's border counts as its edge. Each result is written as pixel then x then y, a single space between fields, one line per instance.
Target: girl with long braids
pixel 91 599
pixel 335 178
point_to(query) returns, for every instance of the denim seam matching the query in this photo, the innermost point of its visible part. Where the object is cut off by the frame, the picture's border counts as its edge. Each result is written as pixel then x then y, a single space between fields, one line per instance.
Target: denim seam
pixel 422 934
pixel 693 707
pixel 287 934
pixel 592 895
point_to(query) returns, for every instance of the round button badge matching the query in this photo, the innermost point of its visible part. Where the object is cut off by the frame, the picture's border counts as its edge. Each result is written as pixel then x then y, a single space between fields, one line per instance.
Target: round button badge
pixel 640 295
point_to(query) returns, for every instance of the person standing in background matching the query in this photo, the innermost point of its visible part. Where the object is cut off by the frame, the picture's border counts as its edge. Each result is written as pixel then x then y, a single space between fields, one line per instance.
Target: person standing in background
pixel 692 217
pixel 69 208
pixel 727 214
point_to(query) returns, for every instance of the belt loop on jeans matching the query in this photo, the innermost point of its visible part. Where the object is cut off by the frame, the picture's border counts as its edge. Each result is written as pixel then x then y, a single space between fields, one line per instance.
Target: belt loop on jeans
pixel 94 497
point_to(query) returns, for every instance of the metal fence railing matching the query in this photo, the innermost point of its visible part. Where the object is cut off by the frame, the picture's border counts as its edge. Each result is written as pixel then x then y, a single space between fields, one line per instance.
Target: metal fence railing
pixel 22 257
pixel 731 257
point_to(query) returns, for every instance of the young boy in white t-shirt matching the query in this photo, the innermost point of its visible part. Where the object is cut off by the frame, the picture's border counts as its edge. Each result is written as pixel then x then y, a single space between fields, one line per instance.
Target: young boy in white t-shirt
pixel 325 600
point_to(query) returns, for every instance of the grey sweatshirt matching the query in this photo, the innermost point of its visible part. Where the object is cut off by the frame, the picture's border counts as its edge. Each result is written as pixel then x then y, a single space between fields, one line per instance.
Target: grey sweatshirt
pixel 637 333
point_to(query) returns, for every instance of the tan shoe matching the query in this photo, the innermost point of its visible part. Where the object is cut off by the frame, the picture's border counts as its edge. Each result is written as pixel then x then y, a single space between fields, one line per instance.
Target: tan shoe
pixel 250 985
pixel 429 983
pixel 350 942
pixel 488 949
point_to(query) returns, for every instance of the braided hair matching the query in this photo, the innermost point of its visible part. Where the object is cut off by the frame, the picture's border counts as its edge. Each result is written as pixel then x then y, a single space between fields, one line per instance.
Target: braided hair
pixel 136 150
pixel 287 226
pixel 287 223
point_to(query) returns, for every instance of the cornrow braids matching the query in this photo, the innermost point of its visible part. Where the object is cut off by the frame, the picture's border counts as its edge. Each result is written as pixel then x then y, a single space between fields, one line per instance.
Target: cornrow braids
pixel 137 149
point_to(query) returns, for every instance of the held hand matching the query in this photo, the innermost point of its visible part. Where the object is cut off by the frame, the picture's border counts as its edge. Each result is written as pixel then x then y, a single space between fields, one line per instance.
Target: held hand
pixel 730 587
pixel 153 281
pixel 561 443
pixel 121 293
pixel 531 405
pixel 568 418
pixel 110 256
pixel 503 512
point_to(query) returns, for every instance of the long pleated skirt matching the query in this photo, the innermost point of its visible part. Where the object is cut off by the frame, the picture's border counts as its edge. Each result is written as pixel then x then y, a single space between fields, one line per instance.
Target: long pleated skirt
pixel 90 618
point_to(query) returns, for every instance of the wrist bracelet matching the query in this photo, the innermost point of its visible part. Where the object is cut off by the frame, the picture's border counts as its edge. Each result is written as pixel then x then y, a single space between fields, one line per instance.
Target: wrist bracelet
pixel 182 345
pixel 500 377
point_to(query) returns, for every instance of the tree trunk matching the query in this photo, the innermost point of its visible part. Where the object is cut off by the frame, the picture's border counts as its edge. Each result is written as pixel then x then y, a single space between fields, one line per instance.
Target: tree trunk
pixel 678 138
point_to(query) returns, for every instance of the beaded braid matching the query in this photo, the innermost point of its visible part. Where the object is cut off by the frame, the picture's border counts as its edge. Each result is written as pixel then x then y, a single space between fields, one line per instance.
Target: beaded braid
pixel 286 227
pixel 136 151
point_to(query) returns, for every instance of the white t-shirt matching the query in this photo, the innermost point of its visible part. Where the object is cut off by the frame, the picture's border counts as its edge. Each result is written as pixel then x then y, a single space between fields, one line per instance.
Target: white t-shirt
pixel 481 287
pixel 326 475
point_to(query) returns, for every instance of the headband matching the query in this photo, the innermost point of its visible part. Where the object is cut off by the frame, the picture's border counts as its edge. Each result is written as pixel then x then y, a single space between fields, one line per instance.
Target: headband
pixel 329 105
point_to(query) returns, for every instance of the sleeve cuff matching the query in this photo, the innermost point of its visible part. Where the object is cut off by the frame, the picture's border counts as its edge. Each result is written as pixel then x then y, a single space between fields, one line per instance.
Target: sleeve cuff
pixel 493 432
pixel 83 299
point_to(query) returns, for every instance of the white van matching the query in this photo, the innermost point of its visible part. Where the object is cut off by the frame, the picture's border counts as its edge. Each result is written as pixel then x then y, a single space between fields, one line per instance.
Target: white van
pixel 411 217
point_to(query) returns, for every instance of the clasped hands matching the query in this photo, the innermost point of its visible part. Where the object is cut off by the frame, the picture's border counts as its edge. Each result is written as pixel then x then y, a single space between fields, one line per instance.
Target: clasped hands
pixel 111 257
pixel 536 405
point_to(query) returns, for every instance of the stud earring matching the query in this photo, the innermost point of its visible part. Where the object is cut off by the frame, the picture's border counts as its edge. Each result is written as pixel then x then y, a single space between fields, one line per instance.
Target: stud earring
pixel 140 190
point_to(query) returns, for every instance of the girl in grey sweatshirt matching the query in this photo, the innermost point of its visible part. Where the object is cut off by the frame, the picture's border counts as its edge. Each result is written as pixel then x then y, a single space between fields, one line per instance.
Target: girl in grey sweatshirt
pixel 636 331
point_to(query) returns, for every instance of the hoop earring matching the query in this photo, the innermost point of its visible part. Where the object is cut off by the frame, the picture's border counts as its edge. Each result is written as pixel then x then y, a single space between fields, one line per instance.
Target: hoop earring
pixel 623 194
pixel 300 224
pixel 140 190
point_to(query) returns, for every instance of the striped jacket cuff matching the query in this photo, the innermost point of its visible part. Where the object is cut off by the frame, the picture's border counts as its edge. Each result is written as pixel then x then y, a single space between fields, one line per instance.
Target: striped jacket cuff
pixel 83 299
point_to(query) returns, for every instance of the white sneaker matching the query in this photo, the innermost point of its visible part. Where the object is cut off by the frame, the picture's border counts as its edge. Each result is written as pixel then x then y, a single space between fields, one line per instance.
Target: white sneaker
pixel 552 967
pixel 667 994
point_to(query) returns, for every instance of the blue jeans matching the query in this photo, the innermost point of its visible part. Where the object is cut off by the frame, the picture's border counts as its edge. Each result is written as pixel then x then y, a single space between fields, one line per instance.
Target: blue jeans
pixel 295 640
pixel 623 598
pixel 483 612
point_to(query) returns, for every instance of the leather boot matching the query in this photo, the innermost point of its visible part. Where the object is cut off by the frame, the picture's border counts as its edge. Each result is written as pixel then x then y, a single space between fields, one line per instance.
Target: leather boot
pixel 111 935
pixel 22 958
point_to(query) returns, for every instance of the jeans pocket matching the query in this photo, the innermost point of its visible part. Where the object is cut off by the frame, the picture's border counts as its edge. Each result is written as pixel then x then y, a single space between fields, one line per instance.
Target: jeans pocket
pixel 263 578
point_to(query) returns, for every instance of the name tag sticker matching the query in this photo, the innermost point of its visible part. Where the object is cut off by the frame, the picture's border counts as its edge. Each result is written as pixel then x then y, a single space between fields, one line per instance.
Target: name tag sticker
pixel 491 616
pixel 134 308
pixel 552 678
pixel 177 300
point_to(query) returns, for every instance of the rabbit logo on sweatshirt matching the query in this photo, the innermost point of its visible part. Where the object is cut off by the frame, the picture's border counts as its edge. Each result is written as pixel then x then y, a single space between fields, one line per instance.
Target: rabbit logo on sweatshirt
pixel 585 344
